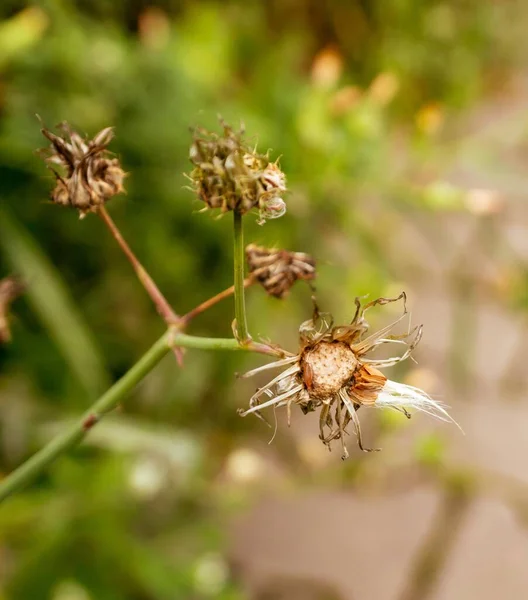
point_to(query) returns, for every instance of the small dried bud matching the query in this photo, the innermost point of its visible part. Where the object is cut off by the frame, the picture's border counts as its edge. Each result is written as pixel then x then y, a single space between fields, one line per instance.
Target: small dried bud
pixel 10 289
pixel 90 176
pixel 230 175
pixel 278 270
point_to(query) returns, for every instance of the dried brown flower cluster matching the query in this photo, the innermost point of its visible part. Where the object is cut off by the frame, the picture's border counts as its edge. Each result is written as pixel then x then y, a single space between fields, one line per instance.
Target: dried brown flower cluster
pixel 90 176
pixel 232 176
pixel 332 371
pixel 277 270
pixel 10 289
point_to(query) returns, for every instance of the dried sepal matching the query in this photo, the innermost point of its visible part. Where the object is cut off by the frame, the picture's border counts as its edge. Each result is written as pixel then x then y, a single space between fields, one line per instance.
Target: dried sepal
pixel 333 372
pixel 365 385
pixel 10 289
pixel 230 175
pixel 89 175
pixel 277 270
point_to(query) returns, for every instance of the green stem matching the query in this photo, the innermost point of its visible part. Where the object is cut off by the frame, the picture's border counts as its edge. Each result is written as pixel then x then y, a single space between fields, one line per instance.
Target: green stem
pixel 240 302
pixel 107 402
pixel 110 400
pixel 203 343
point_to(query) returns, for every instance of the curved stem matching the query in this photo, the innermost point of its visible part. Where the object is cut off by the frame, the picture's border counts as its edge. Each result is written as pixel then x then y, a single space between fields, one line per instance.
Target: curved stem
pixel 240 302
pixel 212 301
pixel 70 438
pixel 111 399
pixel 163 307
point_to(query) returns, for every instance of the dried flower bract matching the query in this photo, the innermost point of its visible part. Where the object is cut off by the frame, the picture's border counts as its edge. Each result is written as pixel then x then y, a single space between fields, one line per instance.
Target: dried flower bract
pixel 10 289
pixel 90 176
pixel 232 176
pixel 277 270
pixel 334 372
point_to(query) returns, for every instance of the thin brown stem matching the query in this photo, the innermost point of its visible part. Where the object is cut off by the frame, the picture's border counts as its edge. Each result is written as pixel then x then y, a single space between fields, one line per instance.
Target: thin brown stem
pixel 160 302
pixel 162 306
pixel 212 301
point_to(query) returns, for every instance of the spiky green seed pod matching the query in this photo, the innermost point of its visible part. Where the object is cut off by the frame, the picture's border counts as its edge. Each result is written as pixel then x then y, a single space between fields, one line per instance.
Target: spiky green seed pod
pixel 231 176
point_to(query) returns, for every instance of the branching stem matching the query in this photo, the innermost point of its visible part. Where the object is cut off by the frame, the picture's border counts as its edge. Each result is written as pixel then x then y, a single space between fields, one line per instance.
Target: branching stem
pixel 185 320
pixel 63 442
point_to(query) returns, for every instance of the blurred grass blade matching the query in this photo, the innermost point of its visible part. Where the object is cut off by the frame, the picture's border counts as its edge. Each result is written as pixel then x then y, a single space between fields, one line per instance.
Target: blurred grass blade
pixel 181 449
pixel 51 301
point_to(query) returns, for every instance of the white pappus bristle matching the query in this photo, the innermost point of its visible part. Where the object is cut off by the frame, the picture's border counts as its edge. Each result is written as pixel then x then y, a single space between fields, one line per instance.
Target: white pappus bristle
pixel 399 395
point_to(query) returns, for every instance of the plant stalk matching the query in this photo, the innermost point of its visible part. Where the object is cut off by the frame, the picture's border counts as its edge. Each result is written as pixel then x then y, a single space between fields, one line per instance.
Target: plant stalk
pixel 162 306
pixel 63 442
pixel 187 318
pixel 240 301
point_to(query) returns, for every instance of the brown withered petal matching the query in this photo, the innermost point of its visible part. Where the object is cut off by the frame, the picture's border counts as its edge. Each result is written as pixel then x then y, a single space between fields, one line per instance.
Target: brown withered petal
pixel 277 270
pixel 90 176
pixel 230 175
pixel 10 289
pixel 366 385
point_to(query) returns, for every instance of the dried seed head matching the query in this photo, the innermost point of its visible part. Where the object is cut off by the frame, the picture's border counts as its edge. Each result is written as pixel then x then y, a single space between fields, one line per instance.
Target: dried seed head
pixel 278 270
pixel 229 175
pixel 327 366
pixel 335 373
pixel 90 177
pixel 10 289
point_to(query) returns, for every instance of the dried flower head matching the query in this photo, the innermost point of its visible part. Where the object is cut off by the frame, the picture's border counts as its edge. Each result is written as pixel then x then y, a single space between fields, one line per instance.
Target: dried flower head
pixel 10 289
pixel 333 372
pixel 277 270
pixel 91 177
pixel 230 175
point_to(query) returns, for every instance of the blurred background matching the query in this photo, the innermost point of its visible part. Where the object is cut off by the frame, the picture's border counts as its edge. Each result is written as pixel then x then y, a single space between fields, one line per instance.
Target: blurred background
pixel 403 130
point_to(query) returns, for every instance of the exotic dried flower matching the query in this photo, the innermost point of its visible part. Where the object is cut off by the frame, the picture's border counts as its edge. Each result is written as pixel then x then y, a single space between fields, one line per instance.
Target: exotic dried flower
pixel 230 175
pixel 278 270
pixel 90 176
pixel 332 371
pixel 10 289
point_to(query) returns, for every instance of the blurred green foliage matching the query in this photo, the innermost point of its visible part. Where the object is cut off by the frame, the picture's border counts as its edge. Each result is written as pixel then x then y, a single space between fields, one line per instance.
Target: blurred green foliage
pixel 330 87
